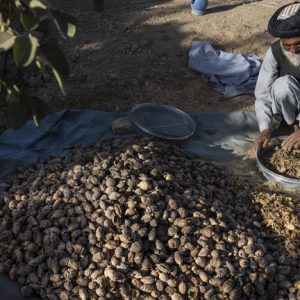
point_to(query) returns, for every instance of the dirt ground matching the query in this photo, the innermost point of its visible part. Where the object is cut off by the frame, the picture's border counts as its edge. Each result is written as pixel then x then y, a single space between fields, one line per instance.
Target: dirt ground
pixel 136 51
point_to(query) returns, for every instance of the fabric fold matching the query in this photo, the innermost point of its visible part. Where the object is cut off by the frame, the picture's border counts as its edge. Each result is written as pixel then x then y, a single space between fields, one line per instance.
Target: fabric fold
pixel 231 74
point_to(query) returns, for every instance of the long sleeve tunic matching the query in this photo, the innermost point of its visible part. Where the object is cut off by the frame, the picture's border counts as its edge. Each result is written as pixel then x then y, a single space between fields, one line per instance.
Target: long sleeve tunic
pixel 263 103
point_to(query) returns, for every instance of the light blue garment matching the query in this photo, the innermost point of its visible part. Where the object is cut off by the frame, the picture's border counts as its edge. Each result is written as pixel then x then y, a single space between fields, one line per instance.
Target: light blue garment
pixel 263 104
pixel 231 138
pixel 275 95
pixel 198 7
pixel 232 74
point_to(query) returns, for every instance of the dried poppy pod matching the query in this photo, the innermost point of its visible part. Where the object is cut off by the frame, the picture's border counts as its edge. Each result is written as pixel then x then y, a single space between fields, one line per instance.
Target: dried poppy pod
pixel 141 220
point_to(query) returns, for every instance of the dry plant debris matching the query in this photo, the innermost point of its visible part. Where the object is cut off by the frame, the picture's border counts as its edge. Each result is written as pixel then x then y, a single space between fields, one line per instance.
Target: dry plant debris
pixel 139 219
pixel 282 214
pixel 278 160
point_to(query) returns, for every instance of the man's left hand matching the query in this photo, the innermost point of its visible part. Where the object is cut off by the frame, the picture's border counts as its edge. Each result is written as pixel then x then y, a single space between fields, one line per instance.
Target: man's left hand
pixel 292 141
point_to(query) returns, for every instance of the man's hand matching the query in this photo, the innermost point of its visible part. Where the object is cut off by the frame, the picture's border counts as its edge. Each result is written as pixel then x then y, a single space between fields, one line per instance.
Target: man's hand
pixel 263 140
pixel 292 141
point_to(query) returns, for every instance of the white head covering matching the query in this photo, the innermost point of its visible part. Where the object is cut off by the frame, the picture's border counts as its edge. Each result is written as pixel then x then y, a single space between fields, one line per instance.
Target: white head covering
pixel 289 11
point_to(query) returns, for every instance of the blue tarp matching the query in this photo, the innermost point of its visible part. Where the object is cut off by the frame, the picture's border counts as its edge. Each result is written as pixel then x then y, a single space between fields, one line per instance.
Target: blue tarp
pixel 219 136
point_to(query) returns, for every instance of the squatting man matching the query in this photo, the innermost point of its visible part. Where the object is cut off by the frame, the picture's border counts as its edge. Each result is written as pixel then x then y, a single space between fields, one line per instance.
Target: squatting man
pixel 277 90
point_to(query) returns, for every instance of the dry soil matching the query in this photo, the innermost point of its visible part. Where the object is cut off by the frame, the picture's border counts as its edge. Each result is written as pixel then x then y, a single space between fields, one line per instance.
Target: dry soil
pixel 136 51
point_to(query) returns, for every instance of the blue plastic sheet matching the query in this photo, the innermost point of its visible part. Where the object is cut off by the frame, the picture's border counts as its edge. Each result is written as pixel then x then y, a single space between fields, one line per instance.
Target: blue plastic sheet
pixel 219 136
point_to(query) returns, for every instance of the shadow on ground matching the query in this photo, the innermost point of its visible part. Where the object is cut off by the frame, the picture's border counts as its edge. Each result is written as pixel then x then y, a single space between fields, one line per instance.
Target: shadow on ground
pixel 136 51
pixel 218 6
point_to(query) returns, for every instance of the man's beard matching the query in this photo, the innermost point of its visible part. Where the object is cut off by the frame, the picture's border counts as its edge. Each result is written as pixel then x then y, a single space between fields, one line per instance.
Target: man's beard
pixel 293 58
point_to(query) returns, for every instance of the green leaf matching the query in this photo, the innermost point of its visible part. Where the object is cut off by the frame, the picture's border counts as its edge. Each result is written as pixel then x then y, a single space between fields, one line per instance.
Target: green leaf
pixel 21 108
pixel 18 3
pixel 24 50
pixel 29 20
pixel 18 108
pixel 53 57
pixel 37 4
pixel 64 23
pixel 13 94
pixel 3 84
pixel 40 64
pixel 7 40
pixel 38 109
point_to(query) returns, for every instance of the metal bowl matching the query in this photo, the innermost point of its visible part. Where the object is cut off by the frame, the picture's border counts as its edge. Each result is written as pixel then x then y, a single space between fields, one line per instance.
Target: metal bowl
pixel 162 121
pixel 280 180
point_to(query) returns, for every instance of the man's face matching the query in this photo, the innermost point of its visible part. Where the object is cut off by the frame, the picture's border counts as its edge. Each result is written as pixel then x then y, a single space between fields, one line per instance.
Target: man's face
pixel 291 49
pixel 291 44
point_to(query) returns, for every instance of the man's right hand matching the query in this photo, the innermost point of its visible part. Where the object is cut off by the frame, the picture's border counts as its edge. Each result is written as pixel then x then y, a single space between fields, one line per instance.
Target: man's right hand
pixel 263 140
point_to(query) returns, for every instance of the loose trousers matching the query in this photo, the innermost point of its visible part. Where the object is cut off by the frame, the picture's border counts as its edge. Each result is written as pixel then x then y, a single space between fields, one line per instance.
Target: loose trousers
pixel 285 96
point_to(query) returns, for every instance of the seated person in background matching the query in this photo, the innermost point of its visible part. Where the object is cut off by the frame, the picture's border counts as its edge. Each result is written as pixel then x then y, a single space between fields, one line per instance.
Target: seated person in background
pixel 277 90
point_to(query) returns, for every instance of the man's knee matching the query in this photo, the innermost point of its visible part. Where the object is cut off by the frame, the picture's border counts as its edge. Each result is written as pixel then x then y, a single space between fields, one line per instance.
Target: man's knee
pixel 284 86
